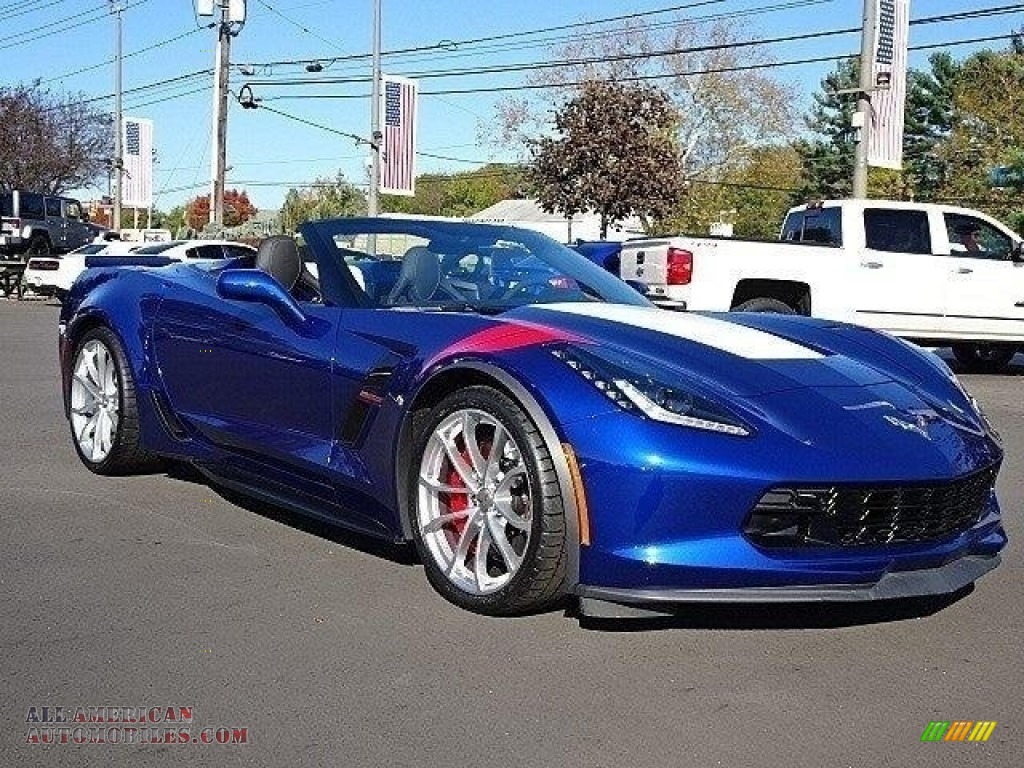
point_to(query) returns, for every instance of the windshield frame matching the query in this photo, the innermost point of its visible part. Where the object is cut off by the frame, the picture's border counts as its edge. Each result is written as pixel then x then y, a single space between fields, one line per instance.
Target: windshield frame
pixel 339 286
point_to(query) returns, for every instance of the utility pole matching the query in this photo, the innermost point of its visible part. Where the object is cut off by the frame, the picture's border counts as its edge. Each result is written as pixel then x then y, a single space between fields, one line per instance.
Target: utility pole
pixel 218 157
pixel 117 9
pixel 372 204
pixel 862 119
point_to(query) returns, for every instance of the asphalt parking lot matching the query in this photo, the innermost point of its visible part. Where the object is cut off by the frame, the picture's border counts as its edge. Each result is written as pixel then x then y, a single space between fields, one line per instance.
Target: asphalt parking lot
pixel 158 591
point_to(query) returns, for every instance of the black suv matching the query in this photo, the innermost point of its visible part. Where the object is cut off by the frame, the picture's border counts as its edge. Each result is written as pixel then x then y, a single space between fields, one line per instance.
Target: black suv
pixel 32 223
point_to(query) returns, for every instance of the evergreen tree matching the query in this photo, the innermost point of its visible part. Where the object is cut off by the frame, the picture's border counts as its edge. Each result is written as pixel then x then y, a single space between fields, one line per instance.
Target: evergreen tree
pixel 827 157
pixel 929 120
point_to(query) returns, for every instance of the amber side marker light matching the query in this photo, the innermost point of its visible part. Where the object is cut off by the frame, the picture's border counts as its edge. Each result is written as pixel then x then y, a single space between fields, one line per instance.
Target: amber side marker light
pixel 578 494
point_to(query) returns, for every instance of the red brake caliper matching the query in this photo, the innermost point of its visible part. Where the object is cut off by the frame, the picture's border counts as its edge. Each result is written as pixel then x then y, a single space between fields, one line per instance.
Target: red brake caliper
pixel 458 502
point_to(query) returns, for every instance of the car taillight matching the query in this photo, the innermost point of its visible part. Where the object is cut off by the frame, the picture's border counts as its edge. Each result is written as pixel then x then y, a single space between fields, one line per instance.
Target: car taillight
pixel 679 269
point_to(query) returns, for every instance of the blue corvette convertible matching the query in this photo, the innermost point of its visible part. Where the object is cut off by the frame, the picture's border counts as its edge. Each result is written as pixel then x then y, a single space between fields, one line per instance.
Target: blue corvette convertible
pixel 536 427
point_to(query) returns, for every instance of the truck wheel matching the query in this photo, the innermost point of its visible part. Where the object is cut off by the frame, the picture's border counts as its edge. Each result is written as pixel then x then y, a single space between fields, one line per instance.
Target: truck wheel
pixel 773 306
pixel 39 245
pixel 984 358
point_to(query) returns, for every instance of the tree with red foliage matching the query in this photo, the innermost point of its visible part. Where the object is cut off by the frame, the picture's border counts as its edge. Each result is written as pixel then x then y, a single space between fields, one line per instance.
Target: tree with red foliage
pixel 238 209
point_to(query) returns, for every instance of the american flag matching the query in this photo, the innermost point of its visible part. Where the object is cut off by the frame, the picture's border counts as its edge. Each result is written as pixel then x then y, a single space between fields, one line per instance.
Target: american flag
pixel 137 183
pixel 398 153
pixel 889 65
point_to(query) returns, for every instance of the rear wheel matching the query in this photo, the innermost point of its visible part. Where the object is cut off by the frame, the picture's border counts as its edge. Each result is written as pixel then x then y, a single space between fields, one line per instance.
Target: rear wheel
pixel 984 358
pixel 487 513
pixel 103 413
pixel 773 306
pixel 39 245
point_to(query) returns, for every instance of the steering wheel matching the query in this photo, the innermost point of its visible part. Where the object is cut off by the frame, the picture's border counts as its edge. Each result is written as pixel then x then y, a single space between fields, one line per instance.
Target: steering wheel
pixel 528 289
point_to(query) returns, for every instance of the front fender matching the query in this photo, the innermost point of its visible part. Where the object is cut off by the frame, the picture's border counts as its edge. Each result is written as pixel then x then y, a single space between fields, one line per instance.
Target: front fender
pixel 540 412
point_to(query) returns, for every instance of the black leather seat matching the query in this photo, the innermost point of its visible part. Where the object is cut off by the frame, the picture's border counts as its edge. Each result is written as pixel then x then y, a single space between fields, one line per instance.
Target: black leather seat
pixel 278 256
pixel 419 278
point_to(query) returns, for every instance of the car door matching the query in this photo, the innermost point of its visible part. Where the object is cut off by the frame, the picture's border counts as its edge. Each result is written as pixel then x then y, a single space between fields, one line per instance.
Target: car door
pixel 55 223
pixel 238 375
pixel 75 224
pixel 901 286
pixel 986 287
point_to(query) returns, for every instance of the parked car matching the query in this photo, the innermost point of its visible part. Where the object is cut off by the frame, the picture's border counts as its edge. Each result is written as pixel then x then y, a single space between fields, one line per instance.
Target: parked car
pixel 540 432
pixel 208 250
pixel 53 275
pixel 38 224
pixel 605 253
pixel 935 274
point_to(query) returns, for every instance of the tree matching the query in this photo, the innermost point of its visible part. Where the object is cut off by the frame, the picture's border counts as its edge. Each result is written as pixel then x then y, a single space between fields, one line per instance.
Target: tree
pixel 987 130
pixel 238 209
pixel 459 194
pixel 174 221
pixel 725 102
pixel 197 212
pixel 614 153
pixel 51 143
pixel 827 157
pixel 929 120
pixel 325 198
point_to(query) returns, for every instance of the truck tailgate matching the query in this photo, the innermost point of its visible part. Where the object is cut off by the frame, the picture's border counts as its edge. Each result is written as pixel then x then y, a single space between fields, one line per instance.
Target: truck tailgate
pixel 644 261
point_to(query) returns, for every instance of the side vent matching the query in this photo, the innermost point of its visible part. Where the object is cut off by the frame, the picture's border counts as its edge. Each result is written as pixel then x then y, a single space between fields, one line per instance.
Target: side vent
pixel 367 401
pixel 168 420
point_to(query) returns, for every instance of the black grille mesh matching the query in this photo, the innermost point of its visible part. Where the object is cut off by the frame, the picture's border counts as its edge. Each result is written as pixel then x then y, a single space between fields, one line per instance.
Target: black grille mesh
pixel 870 515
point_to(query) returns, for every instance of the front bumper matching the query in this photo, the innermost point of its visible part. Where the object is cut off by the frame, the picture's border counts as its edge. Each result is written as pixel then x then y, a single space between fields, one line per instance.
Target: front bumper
pixel 611 602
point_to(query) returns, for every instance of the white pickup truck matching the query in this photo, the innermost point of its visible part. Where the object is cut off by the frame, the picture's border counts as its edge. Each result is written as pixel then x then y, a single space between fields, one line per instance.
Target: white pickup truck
pixel 934 274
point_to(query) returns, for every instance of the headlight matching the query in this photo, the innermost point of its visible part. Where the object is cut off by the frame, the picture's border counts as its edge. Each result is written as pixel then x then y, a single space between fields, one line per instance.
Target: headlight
pixel 645 393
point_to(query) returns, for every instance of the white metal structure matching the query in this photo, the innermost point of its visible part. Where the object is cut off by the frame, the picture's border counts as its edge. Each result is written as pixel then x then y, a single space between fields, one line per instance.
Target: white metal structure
pixel 926 272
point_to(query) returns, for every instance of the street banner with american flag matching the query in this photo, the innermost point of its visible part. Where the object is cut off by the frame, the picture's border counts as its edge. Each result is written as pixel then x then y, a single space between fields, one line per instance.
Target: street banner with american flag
pixel 398 150
pixel 889 77
pixel 137 181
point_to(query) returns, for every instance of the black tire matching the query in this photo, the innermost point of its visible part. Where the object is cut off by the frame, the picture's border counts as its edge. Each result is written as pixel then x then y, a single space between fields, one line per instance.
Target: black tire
pixel 60 294
pixel 539 582
pixel 984 358
pixel 39 245
pixel 126 456
pixel 772 306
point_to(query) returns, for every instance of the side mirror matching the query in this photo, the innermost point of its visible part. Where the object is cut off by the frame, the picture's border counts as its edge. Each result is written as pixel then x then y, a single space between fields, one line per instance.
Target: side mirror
pixel 256 286
pixel 1017 254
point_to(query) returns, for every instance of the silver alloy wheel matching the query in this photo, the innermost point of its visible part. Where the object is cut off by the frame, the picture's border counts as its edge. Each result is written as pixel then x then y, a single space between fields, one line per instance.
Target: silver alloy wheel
pixel 95 400
pixel 475 506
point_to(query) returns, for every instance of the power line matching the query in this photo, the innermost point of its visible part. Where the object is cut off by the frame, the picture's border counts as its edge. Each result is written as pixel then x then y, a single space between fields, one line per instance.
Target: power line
pixel 138 52
pixel 473 41
pixel 644 78
pixel 540 65
pixel 294 23
pixel 476 52
pixel 22 10
pixel 19 39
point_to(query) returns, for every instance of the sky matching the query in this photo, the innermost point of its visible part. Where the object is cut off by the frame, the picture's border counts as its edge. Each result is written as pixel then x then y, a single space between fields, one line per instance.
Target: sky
pixel 69 45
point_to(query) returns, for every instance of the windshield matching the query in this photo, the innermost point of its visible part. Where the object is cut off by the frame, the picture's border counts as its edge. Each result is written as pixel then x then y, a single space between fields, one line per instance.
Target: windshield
pixel 159 247
pixel 456 265
pixel 91 248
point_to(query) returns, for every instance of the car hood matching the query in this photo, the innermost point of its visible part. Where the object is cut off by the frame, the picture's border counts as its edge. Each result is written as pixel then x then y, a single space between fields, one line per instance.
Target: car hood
pixel 829 388
pixel 746 361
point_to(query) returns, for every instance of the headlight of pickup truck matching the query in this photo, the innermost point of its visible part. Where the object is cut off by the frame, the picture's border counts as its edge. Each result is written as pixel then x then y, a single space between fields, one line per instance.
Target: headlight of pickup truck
pixel 644 391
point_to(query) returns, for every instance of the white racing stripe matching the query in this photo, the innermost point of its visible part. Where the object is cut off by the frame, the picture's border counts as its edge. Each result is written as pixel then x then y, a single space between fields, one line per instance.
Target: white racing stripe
pixel 728 337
